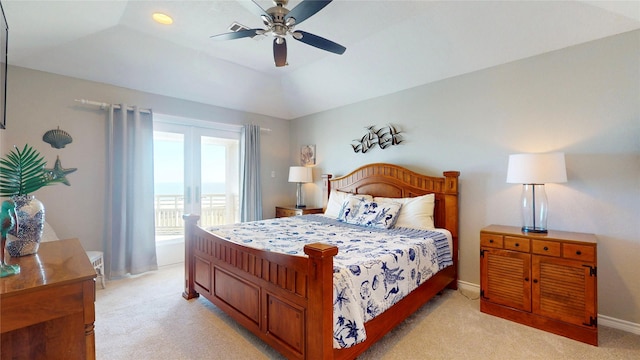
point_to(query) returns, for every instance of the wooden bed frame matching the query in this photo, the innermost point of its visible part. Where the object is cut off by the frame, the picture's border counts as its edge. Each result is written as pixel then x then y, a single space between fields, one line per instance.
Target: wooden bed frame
pixel 287 301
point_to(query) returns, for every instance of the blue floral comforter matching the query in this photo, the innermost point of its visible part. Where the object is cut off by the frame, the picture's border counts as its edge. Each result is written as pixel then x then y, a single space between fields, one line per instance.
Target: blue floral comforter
pixel 373 270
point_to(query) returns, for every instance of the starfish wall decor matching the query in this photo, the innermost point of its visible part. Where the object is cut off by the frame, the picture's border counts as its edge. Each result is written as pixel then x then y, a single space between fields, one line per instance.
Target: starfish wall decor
pixel 59 173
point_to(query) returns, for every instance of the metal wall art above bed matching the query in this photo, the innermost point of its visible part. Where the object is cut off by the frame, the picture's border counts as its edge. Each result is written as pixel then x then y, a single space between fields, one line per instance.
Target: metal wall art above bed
pixel 384 137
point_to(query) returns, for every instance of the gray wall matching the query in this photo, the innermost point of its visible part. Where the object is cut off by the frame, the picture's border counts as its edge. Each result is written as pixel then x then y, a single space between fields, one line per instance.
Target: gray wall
pixel 582 100
pixel 39 101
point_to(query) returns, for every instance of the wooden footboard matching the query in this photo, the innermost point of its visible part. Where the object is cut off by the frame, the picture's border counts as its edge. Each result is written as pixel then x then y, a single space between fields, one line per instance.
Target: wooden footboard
pixel 287 301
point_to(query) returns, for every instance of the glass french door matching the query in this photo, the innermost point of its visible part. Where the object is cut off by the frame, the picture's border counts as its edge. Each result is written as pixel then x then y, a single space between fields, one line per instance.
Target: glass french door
pixel 196 171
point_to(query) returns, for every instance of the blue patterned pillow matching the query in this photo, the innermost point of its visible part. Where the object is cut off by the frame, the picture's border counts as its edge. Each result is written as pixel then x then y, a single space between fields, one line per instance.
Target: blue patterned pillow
pixel 337 199
pixel 350 206
pixel 382 215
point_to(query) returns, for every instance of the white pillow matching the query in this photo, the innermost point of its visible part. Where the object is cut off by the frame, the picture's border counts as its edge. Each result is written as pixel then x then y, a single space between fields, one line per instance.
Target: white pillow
pixel 416 212
pixel 337 198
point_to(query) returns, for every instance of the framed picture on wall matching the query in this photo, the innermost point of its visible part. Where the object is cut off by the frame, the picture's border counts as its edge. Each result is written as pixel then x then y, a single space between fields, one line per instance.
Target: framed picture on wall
pixel 4 36
pixel 307 155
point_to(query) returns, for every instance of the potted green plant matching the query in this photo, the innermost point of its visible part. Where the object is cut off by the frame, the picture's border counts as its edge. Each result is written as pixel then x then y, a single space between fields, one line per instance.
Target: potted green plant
pixel 22 172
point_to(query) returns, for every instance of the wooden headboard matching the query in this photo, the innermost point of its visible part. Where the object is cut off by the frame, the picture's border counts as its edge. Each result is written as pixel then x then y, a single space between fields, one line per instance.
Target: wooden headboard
pixel 395 181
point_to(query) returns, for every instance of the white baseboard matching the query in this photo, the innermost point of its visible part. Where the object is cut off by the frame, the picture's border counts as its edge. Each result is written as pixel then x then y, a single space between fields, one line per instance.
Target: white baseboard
pixel 469 287
pixel 623 325
pixel 603 320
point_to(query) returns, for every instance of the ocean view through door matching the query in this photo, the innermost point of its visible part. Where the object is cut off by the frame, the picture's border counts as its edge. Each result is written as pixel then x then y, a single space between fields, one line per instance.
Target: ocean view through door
pixel 196 171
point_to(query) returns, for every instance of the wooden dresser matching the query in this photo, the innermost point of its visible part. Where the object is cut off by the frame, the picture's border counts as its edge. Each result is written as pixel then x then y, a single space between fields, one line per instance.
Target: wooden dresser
pixel 547 281
pixel 285 211
pixel 47 311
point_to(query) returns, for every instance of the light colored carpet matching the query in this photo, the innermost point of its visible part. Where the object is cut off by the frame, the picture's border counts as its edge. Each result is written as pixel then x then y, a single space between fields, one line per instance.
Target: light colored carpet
pixel 145 317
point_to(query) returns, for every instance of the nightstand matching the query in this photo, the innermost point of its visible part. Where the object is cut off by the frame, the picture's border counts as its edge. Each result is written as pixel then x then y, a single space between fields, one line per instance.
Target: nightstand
pixel 285 211
pixel 547 281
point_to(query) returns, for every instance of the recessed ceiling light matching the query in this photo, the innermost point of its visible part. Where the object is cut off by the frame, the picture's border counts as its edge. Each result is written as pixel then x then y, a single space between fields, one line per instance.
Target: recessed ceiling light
pixel 163 19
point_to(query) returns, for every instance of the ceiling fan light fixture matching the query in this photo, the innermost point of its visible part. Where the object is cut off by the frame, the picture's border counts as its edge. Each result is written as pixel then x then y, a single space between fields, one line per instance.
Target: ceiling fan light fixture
pixel 290 22
pixel 266 20
pixel 162 18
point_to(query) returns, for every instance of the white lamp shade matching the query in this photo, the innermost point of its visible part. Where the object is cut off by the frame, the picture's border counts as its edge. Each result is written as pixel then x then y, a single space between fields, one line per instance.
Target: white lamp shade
pixel 300 174
pixel 537 168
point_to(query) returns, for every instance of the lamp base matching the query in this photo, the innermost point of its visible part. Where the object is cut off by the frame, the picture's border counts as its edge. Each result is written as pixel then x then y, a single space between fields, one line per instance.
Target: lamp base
pixel 534 209
pixel 300 197
pixel 534 230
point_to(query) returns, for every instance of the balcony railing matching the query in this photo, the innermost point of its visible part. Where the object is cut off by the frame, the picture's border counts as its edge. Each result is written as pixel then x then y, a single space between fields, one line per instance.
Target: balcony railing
pixel 169 209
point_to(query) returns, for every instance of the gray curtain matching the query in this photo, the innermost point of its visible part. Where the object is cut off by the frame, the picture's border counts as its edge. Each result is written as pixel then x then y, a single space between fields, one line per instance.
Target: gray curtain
pixel 250 192
pixel 130 228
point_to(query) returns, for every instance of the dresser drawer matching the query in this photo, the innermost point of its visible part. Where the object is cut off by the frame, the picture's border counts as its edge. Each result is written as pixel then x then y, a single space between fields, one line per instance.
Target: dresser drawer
pixel 543 247
pixel 579 252
pixel 282 212
pixel 491 240
pixel 286 211
pixel 516 243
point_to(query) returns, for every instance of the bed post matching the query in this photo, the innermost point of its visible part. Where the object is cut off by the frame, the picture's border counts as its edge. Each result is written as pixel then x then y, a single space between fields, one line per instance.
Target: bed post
pixel 326 189
pixel 451 216
pixel 190 222
pixel 319 320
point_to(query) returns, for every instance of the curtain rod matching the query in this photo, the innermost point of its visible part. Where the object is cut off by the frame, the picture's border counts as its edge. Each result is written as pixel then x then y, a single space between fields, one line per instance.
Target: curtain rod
pixel 103 106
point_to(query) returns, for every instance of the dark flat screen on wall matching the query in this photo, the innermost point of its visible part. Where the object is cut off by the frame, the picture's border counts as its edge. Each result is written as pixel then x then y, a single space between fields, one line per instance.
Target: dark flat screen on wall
pixel 4 35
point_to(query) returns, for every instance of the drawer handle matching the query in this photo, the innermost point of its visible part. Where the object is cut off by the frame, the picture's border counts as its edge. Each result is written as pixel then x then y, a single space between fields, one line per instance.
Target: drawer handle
pixel 490 241
pixel 517 244
pixel 526 279
pixel 546 248
pixel 578 252
pixel 535 281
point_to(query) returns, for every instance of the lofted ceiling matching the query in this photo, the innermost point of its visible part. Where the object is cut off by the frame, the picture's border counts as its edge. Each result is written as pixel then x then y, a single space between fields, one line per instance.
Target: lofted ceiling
pixel 391 45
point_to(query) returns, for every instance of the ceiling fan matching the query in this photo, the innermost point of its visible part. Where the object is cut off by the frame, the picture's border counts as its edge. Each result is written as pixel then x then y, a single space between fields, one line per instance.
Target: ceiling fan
pixel 280 22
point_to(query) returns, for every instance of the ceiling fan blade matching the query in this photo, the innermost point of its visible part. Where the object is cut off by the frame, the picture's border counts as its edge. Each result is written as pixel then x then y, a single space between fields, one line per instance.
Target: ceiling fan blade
pixel 236 34
pixel 306 9
pixel 319 42
pixel 280 52
pixel 258 10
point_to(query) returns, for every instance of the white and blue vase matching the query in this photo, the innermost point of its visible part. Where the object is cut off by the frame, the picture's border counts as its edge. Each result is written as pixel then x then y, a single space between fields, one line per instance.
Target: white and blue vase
pixel 24 239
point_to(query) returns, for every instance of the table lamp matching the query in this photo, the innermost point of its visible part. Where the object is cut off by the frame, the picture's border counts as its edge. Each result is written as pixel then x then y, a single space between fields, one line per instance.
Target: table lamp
pixel 533 171
pixel 300 174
